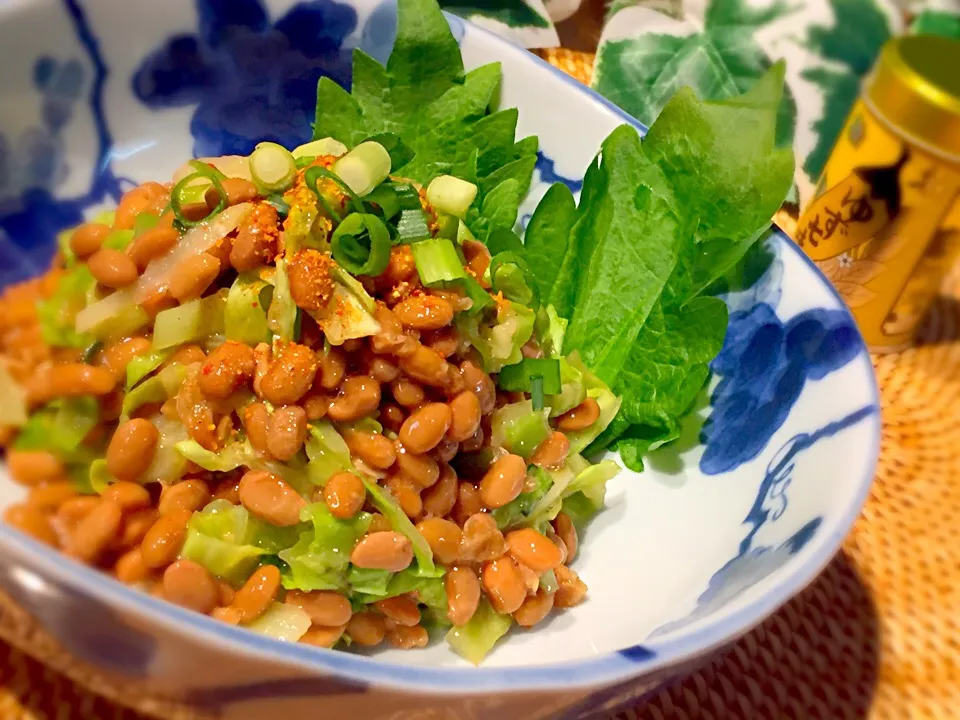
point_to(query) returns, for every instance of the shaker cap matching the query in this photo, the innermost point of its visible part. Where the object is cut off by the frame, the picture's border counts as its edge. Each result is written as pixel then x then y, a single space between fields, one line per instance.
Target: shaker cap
pixel 915 88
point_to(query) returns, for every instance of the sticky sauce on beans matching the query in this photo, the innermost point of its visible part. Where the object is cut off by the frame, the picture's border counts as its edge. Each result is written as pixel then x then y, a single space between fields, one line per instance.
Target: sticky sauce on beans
pixel 411 403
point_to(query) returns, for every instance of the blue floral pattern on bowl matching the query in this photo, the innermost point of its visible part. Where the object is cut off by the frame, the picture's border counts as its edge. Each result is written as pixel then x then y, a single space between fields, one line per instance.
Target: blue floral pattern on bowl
pixel 763 367
pixel 793 387
pixel 250 78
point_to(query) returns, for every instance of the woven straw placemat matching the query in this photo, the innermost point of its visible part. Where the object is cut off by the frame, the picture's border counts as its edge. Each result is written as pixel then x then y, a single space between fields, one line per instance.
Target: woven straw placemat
pixel 876 636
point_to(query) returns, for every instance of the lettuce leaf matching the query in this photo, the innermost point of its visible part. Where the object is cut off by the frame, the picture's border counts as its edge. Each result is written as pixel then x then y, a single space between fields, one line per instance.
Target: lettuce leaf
pixel 658 223
pixel 635 236
pixel 727 175
pixel 547 236
pixel 668 366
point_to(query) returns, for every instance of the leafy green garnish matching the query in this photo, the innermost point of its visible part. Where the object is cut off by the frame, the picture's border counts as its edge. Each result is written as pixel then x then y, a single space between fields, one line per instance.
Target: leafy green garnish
pixel 435 110
pixel 658 222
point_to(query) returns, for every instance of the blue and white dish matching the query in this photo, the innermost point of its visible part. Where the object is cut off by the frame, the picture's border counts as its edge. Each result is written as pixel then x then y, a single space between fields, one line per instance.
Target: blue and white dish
pixel 723 527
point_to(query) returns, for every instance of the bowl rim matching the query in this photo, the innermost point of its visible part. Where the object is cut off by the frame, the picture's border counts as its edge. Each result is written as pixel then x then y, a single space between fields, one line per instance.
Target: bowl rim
pixel 608 668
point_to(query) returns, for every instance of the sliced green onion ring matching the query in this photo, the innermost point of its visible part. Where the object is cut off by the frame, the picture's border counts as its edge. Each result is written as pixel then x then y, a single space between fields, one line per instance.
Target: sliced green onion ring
pixel 510 274
pixel 451 195
pixel 364 167
pixel 282 206
pixel 385 199
pixel 203 171
pixel 273 167
pixel 315 173
pixel 352 253
pixel 392 197
pixel 207 170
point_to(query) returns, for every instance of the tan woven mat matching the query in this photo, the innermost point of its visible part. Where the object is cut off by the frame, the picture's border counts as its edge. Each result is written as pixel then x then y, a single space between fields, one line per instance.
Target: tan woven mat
pixel 876 636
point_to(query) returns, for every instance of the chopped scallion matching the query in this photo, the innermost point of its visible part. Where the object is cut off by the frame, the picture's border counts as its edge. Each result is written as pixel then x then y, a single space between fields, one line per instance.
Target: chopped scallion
pixel 361 244
pixel 282 206
pixel 273 167
pixel 318 148
pixel 313 176
pixel 177 199
pixel 437 261
pixel 451 195
pixel 412 226
pixel 536 392
pixel 474 290
pixel 364 167
pixel 391 198
pixel 400 153
pixel 520 377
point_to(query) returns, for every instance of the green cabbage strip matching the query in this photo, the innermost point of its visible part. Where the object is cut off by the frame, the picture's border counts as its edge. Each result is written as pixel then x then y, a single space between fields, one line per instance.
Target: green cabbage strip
pixel 476 639
pixel 385 503
pixel 320 559
pixel 245 313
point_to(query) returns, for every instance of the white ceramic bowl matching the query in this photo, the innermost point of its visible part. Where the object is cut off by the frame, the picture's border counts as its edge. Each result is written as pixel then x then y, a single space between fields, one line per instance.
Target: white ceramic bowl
pixel 721 529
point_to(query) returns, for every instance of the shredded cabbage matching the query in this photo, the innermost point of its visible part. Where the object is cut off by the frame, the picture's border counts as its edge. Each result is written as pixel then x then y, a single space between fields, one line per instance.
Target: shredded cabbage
pixel 282 313
pixel 328 452
pixel 229 542
pixel 60 427
pixel 608 402
pixel 195 241
pixel 549 329
pixel 499 344
pixel 349 313
pixel 156 389
pixel 240 453
pixel 195 320
pixel 168 465
pixel 245 312
pixel 519 428
pixel 58 313
pixel 116 315
pixel 577 478
pixel 476 639
pixel 283 622
pixel 320 560
pixel 13 409
pixel 516 512
pixel 384 502
pixel 143 365
pixel 572 390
